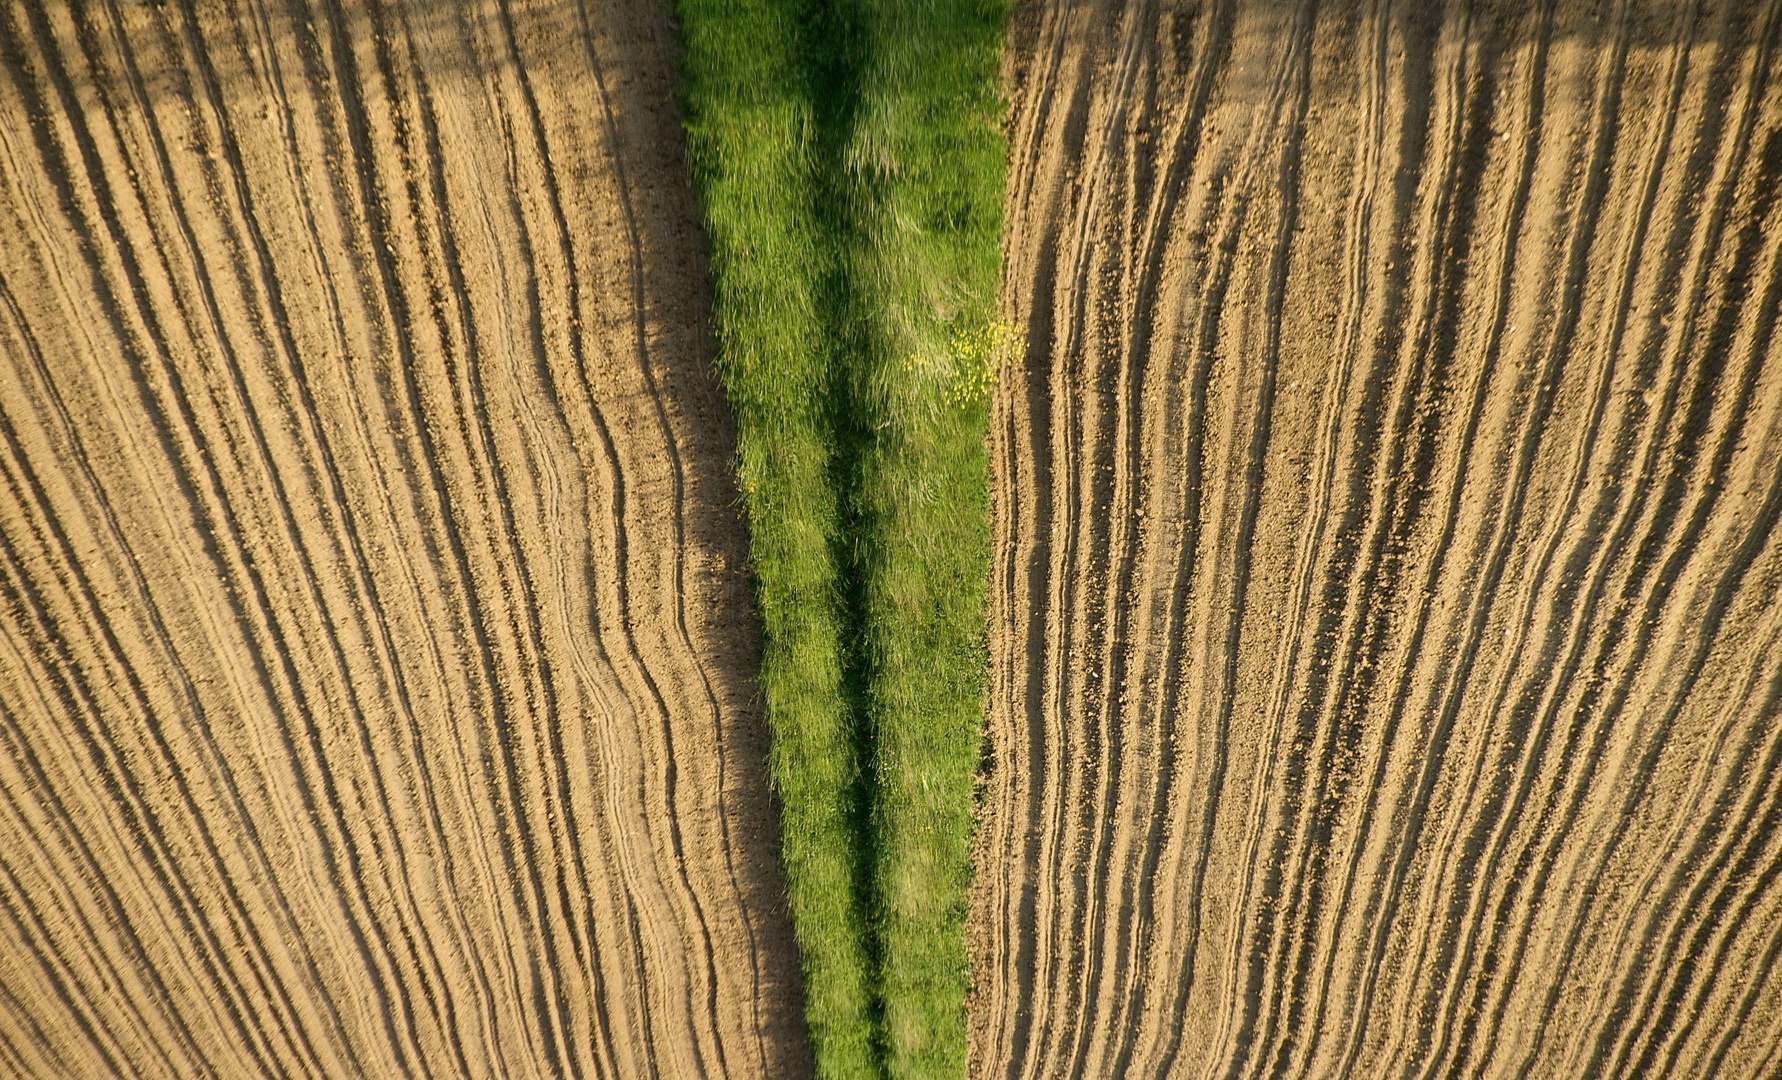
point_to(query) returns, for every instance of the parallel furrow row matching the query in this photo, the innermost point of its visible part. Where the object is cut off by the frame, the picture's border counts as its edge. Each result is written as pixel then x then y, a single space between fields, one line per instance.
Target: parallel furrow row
pixel 375 672
pixel 1384 624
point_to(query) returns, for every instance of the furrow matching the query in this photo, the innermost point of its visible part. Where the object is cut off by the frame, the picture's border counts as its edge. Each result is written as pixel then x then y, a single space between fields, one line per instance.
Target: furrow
pixel 379 672
pixel 1383 544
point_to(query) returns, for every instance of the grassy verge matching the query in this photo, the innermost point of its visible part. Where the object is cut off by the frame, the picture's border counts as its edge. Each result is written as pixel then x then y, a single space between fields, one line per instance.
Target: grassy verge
pixel 751 128
pixel 923 168
pixel 849 158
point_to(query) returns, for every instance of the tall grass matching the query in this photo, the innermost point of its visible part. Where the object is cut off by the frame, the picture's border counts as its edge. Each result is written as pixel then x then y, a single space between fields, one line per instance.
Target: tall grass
pixel 923 166
pixel 849 157
pixel 751 129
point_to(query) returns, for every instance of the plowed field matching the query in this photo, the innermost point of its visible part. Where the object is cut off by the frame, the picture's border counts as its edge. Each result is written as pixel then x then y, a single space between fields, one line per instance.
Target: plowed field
pixel 376 661
pixel 1386 611
pixel 1385 660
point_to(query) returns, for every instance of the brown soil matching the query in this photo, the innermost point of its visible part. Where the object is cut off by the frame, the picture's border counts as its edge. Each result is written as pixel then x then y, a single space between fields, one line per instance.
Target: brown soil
pixel 376 661
pixel 1386 674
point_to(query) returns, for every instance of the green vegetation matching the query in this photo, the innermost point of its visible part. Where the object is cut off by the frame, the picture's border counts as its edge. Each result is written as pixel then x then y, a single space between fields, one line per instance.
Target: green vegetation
pixel 849 158
pixel 923 163
pixel 750 128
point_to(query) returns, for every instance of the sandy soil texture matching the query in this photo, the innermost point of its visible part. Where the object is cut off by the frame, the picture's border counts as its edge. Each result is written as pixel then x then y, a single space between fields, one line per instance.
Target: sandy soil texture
pixel 1385 660
pixel 376 665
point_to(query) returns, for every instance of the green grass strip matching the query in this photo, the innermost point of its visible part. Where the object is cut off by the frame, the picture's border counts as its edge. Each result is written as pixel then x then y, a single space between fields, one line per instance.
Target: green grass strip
pixel 751 128
pixel 849 157
pixel 923 169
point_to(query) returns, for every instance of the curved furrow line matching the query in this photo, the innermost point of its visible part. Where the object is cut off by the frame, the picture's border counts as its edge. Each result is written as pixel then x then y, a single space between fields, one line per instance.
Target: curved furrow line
pixel 26 1029
pixel 1178 582
pixel 1396 637
pixel 108 973
pixel 1435 561
pixel 452 271
pixel 1735 921
pixel 335 764
pixel 1058 963
pixel 64 955
pixel 1529 434
pixel 460 441
pixel 471 381
pixel 303 415
pixel 410 585
pixel 523 632
pixel 1190 588
pixel 1421 747
pixel 453 323
pixel 1003 955
pixel 1493 822
pixel 1333 407
pixel 306 570
pixel 1245 175
pixel 1754 859
pixel 1290 94
pixel 142 603
pixel 1728 323
pixel 1112 468
pixel 1154 684
pixel 1382 508
pixel 688 900
pixel 1014 758
pixel 367 930
pixel 385 850
pixel 1450 852
pixel 156 335
pixel 1410 804
pixel 680 486
pixel 616 483
pixel 1604 559
pixel 1394 511
pixel 1638 571
pixel 1050 678
pixel 18 468
pixel 101 1043
pixel 1196 588
pixel 1766 323
pixel 1159 676
pixel 1115 459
